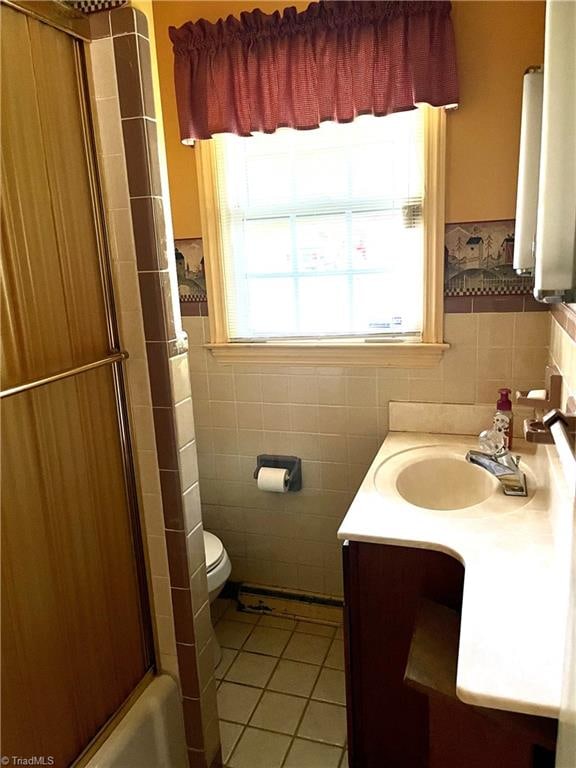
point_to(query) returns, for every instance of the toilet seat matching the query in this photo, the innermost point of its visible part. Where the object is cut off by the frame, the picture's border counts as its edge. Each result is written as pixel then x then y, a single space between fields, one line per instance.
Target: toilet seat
pixel 213 550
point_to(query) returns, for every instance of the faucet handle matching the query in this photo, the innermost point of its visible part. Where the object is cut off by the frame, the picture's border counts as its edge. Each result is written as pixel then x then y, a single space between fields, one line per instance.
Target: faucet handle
pixel 491 441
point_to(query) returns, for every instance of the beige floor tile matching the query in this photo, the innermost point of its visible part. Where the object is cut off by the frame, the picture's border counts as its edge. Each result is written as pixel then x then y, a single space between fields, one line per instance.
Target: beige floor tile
pixel 237 702
pixel 330 687
pixel 259 749
pixel 308 648
pixel 294 677
pixel 229 735
pixel 324 722
pixel 232 634
pixel 228 656
pixel 278 712
pixel 244 617
pixel 267 640
pixel 335 658
pixel 278 622
pixel 310 754
pixel 339 633
pixel 251 669
pixel 311 628
pixel 344 763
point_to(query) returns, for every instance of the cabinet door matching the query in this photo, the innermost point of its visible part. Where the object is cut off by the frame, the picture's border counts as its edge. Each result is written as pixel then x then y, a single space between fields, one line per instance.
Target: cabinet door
pixel 387 722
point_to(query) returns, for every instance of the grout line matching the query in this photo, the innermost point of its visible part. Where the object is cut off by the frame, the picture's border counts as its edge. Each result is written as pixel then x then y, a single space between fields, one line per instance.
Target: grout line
pixel 265 689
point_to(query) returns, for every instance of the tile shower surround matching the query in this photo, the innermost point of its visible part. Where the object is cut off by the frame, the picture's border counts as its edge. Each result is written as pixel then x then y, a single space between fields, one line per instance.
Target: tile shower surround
pixel 563 351
pixel 159 384
pixel 334 419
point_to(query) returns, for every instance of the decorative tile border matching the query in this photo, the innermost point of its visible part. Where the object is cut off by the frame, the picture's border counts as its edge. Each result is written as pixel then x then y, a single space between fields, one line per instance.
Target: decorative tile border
pixel 496 303
pixel 478 272
pixel 478 258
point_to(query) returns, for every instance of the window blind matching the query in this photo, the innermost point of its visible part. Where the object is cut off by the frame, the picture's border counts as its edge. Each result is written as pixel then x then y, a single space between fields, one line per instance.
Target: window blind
pixel 322 231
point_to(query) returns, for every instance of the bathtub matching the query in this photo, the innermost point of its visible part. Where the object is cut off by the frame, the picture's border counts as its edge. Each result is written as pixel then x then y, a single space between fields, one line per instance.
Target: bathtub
pixel 150 735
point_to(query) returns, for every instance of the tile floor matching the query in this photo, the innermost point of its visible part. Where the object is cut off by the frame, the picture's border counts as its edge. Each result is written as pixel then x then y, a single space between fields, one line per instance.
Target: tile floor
pixel 281 693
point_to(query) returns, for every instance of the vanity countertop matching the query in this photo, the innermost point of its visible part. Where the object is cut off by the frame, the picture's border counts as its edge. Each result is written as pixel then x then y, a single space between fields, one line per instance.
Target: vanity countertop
pixel 516 558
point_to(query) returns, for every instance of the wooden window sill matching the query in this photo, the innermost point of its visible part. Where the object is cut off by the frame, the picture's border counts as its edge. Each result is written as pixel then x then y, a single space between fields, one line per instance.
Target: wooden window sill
pixel 398 355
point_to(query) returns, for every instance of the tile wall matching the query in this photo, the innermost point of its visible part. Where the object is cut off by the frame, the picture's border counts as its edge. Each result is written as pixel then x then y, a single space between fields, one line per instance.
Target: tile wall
pixel 563 350
pixel 334 419
pixel 157 370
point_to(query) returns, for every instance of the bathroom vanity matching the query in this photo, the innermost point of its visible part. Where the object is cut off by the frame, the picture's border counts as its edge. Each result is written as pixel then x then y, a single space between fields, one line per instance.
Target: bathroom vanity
pixel 455 609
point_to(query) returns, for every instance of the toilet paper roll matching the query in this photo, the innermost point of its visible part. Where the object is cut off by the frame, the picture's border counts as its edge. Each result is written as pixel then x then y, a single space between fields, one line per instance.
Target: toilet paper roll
pixel 537 394
pixel 273 479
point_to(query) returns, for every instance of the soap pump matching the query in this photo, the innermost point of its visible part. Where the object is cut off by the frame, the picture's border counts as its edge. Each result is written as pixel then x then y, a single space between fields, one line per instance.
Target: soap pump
pixel 503 418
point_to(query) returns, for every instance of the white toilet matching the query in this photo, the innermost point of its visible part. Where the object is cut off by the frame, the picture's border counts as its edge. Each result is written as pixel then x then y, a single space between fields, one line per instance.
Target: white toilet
pixel 218 569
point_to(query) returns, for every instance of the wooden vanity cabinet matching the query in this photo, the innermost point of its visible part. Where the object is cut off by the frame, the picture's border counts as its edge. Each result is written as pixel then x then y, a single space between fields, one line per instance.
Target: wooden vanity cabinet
pixel 397 717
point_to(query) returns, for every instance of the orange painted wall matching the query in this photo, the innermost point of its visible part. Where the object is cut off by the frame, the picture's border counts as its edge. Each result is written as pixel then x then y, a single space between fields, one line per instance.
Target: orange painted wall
pixel 495 40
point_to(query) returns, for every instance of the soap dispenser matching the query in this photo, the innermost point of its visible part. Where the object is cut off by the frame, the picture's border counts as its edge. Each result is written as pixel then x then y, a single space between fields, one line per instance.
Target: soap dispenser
pixel 503 418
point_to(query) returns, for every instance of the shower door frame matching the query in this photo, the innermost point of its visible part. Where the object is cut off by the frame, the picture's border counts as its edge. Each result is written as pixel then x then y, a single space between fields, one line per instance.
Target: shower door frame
pixel 76 25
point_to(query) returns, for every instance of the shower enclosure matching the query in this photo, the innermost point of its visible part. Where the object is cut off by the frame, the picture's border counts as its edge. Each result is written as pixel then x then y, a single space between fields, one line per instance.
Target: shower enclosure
pixel 76 631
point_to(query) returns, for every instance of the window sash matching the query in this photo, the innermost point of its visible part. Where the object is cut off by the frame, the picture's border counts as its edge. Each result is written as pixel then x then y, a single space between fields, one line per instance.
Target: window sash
pixel 315 226
pixel 354 352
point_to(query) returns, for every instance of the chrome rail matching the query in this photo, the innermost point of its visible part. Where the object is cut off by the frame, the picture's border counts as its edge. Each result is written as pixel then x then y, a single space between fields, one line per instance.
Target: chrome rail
pixel 116 357
pixel 562 428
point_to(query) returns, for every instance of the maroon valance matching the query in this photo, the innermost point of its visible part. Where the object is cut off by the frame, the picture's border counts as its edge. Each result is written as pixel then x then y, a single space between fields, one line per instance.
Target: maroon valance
pixel 333 61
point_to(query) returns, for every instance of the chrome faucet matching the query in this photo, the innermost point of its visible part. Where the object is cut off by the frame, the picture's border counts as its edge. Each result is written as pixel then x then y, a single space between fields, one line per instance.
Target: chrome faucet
pixel 505 468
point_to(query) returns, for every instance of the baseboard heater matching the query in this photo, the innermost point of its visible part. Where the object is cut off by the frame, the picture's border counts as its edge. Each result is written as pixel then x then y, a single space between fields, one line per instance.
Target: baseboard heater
pixel 237 589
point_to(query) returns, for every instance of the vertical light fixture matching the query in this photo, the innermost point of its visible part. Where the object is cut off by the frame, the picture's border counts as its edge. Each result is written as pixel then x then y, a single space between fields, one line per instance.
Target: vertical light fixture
pixel 528 171
pixel 556 220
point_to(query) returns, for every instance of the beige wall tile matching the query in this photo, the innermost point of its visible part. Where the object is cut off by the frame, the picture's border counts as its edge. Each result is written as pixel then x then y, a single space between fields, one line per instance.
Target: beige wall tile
pixel 121 236
pixel 276 416
pixel 192 508
pixel 495 363
pixel 103 71
pixel 184 422
pixel 115 182
pixel 221 386
pixel 332 390
pixel 223 414
pixel 249 415
pixel 248 387
pixel 303 389
pixel 275 389
pixel 153 516
pixel 361 391
pixel 496 329
pixel 332 419
pixel 362 421
pixel 461 328
pixel 532 329
pixel 529 363
pixel 180 377
pixel 157 556
pixel 148 471
pixel 165 634
pixel 188 466
pixel 195 549
pixel 304 418
pixel 333 448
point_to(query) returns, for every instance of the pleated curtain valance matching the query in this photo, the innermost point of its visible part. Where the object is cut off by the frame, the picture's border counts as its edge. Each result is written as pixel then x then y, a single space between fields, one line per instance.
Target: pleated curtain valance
pixel 333 61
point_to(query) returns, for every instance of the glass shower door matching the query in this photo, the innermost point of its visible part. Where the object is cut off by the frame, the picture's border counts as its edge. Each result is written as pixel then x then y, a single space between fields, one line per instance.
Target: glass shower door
pixel 76 636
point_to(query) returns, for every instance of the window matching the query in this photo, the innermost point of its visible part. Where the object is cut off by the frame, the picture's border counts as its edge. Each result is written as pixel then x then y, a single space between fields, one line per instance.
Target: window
pixel 321 239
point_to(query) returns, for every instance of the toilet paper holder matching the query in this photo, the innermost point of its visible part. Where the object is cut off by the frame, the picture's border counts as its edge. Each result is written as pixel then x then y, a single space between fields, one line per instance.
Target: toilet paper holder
pixel 292 463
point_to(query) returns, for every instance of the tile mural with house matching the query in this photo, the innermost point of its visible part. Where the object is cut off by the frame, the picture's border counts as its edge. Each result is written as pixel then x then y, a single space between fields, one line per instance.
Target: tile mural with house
pixel 478 260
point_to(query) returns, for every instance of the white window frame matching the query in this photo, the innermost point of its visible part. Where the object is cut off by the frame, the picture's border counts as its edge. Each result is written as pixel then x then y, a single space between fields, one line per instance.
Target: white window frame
pixel 408 354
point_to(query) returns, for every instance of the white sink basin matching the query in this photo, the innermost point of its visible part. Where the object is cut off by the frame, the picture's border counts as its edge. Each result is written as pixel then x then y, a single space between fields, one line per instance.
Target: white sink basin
pixel 444 482
pixel 438 478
